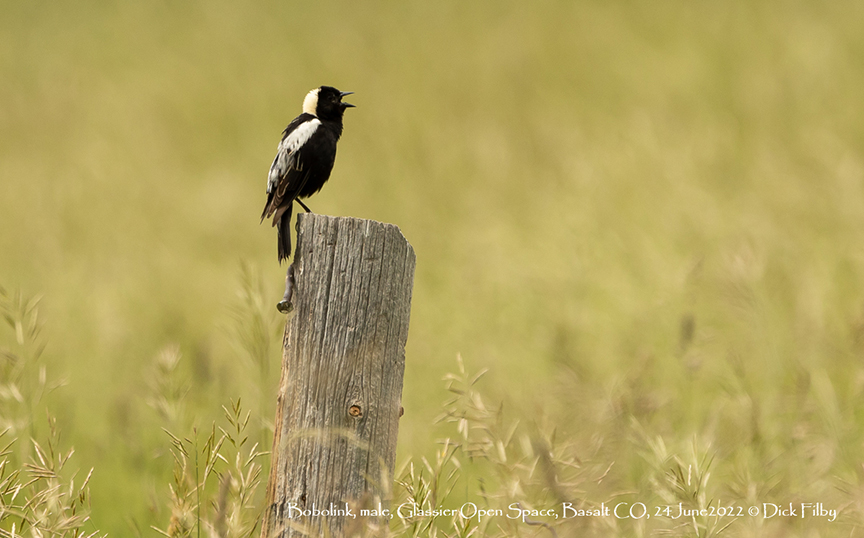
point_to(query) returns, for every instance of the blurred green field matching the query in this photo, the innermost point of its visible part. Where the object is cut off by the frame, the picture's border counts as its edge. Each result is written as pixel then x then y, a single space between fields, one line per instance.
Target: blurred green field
pixel 645 218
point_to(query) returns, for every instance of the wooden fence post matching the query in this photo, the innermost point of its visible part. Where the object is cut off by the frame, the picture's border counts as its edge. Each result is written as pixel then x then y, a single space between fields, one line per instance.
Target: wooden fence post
pixel 339 401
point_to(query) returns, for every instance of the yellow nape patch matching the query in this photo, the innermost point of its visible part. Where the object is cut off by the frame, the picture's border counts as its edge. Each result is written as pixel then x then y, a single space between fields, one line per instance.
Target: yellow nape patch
pixel 310 104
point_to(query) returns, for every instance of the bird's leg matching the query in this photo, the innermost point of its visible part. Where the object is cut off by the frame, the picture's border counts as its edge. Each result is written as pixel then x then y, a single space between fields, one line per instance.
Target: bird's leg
pixel 285 305
pixel 302 205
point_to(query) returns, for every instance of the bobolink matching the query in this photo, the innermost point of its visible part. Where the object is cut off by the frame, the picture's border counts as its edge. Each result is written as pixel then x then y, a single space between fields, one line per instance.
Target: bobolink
pixel 303 163
pixel 304 158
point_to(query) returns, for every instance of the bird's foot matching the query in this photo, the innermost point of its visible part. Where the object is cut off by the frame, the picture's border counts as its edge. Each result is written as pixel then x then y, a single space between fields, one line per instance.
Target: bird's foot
pixel 285 306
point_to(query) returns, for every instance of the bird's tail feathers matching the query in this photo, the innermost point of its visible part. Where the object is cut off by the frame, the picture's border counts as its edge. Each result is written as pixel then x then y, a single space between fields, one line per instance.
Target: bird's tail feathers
pixel 284 232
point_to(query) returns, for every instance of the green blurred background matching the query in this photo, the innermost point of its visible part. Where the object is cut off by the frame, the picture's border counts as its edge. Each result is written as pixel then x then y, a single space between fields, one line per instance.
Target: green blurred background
pixel 630 209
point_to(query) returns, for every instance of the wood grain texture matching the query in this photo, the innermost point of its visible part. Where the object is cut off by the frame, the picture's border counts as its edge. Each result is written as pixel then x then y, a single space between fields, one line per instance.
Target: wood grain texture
pixel 338 407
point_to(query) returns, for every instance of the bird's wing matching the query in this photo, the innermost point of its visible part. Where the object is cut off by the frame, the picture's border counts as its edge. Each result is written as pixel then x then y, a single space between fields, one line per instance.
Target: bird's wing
pixel 286 175
pixel 296 134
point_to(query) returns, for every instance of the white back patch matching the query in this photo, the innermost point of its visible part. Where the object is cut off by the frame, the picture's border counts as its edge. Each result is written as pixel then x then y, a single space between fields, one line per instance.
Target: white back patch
pixel 285 154
pixel 310 103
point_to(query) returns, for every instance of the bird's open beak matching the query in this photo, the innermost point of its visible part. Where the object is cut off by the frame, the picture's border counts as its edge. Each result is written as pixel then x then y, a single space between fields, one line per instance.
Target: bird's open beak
pixel 346 105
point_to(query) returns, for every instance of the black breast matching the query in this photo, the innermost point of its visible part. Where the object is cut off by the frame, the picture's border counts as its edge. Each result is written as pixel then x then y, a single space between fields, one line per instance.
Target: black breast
pixel 318 156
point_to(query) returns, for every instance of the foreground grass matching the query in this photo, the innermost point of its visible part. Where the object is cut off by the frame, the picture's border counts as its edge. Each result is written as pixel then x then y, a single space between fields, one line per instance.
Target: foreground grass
pixel 645 219
pixel 495 472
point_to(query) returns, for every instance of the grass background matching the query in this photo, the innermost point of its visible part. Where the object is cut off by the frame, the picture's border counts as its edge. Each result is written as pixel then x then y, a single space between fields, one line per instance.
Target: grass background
pixel 645 213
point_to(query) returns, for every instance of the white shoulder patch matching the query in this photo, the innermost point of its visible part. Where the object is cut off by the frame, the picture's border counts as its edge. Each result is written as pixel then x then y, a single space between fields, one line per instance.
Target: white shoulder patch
pixel 300 135
pixel 286 152
pixel 310 103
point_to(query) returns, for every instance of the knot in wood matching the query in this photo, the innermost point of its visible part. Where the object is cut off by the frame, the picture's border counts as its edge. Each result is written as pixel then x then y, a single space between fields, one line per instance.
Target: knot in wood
pixel 355 411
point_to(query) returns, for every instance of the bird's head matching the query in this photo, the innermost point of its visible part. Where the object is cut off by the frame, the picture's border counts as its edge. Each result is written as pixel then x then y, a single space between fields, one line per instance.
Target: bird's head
pixel 326 103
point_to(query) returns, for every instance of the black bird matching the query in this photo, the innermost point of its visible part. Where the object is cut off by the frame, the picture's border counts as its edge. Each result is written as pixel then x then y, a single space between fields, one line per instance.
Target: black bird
pixel 303 164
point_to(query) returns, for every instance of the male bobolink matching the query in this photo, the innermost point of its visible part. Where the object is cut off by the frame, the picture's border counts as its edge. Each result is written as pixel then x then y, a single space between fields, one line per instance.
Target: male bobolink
pixel 303 163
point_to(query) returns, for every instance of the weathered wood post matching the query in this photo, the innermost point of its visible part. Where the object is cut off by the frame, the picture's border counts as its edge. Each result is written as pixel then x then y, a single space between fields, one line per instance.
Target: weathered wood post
pixel 343 359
